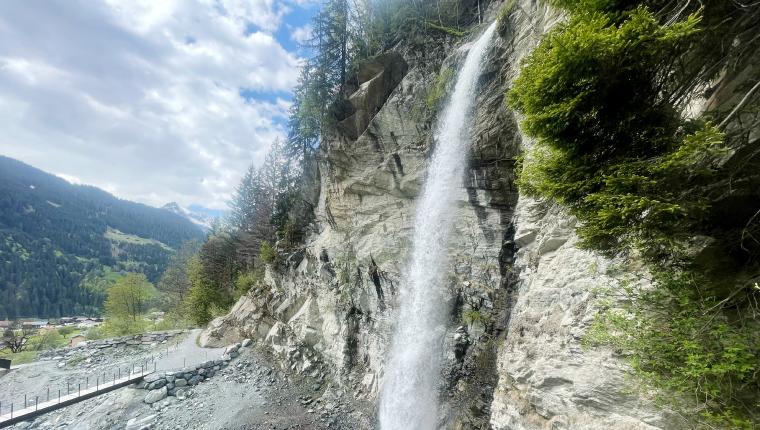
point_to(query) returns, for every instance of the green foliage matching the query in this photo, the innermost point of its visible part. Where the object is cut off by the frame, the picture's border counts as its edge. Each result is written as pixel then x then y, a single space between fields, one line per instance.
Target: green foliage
pixel 205 300
pixel 505 10
pixel 290 234
pixel 437 90
pixel 96 333
pixel 448 30
pixel 345 33
pixel 54 235
pixel 247 281
pixel 19 357
pixel 47 339
pixel 684 343
pixel 127 303
pixel 590 63
pixel 474 316
pixel 267 253
pixel 66 331
pixel 172 320
pixel 123 326
pixel 581 6
pixel 602 95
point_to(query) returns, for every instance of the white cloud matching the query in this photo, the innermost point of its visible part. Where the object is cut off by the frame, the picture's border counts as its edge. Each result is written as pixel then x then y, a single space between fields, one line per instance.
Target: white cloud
pixel 69 178
pixel 143 97
pixel 301 34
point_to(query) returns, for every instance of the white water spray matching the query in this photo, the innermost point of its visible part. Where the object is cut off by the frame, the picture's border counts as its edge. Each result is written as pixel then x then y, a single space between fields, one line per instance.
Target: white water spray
pixel 409 396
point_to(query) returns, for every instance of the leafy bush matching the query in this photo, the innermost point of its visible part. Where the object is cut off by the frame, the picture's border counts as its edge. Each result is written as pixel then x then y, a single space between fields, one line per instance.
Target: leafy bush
pixel 592 90
pixel 246 281
pixel 268 254
pixel 602 95
pixel 95 333
pixel 66 330
pixel 684 343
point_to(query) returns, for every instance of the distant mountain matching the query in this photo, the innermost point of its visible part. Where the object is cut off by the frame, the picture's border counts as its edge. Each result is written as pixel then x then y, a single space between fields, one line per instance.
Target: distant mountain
pixel 200 216
pixel 54 235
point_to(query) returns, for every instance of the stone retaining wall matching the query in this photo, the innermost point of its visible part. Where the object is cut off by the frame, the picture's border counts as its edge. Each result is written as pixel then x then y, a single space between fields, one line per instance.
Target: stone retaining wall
pixel 179 382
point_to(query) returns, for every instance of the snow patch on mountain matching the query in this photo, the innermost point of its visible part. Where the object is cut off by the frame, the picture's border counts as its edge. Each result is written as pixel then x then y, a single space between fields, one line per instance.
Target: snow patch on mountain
pixel 201 219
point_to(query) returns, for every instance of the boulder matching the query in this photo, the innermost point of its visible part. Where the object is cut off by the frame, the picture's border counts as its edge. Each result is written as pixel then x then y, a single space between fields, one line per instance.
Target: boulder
pixel 180 382
pixel 182 393
pixel 157 384
pixel 246 343
pixel 139 423
pixel 153 377
pixel 378 76
pixel 156 395
pixel 217 334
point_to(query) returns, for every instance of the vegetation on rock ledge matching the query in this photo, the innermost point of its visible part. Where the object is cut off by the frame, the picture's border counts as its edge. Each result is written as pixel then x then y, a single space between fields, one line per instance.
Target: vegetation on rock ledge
pixel 604 95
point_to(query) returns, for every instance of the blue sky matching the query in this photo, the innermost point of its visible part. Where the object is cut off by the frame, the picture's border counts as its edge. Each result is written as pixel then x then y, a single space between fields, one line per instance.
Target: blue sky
pixel 154 101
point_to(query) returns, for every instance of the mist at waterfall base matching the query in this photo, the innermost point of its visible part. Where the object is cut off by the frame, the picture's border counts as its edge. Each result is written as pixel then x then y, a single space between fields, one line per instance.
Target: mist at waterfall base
pixel 409 399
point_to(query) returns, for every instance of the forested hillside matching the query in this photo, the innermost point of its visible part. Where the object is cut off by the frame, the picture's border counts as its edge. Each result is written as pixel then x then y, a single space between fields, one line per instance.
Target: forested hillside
pixel 54 234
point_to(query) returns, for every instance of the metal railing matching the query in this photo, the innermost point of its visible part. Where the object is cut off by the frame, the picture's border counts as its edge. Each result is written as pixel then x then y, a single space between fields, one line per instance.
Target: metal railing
pixel 82 387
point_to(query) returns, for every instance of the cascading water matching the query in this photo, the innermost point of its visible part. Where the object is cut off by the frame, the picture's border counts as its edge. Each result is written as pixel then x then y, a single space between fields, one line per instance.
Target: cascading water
pixel 408 399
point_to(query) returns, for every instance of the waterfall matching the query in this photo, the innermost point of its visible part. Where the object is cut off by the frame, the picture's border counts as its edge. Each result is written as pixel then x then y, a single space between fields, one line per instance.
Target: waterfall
pixel 409 395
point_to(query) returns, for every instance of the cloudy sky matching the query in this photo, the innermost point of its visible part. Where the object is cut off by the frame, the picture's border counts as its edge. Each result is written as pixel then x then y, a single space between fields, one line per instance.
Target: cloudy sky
pixel 153 101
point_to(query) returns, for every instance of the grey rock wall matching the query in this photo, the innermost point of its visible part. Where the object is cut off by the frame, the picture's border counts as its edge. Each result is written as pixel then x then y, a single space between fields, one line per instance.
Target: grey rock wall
pixel 523 293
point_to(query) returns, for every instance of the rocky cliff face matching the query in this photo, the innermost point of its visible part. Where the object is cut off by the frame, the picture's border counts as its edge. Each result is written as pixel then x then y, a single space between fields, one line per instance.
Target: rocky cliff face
pixel 522 291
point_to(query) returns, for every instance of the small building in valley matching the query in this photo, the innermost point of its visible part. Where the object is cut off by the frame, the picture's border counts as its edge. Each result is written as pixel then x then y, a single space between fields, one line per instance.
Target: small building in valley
pixel 76 340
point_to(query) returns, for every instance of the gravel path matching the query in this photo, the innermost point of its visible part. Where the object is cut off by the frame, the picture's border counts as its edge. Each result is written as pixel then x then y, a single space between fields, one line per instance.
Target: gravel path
pixel 187 353
pixel 35 378
pixel 250 394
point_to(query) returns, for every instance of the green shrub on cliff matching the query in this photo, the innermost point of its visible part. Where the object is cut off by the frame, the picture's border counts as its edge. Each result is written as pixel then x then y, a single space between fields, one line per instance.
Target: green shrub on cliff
pixel 437 89
pixel 603 95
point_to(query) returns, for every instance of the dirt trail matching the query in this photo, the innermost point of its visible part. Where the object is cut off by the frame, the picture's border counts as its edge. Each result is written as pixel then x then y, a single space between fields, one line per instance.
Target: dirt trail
pixel 251 393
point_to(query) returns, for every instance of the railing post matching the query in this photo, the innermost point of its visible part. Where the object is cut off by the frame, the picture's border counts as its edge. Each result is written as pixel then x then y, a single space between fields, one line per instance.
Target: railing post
pixel 25 402
pixel 86 382
pixel 11 410
pixel 68 388
pixel 48 390
pixel 59 396
pixel 97 383
pixel 79 387
pixel 36 402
